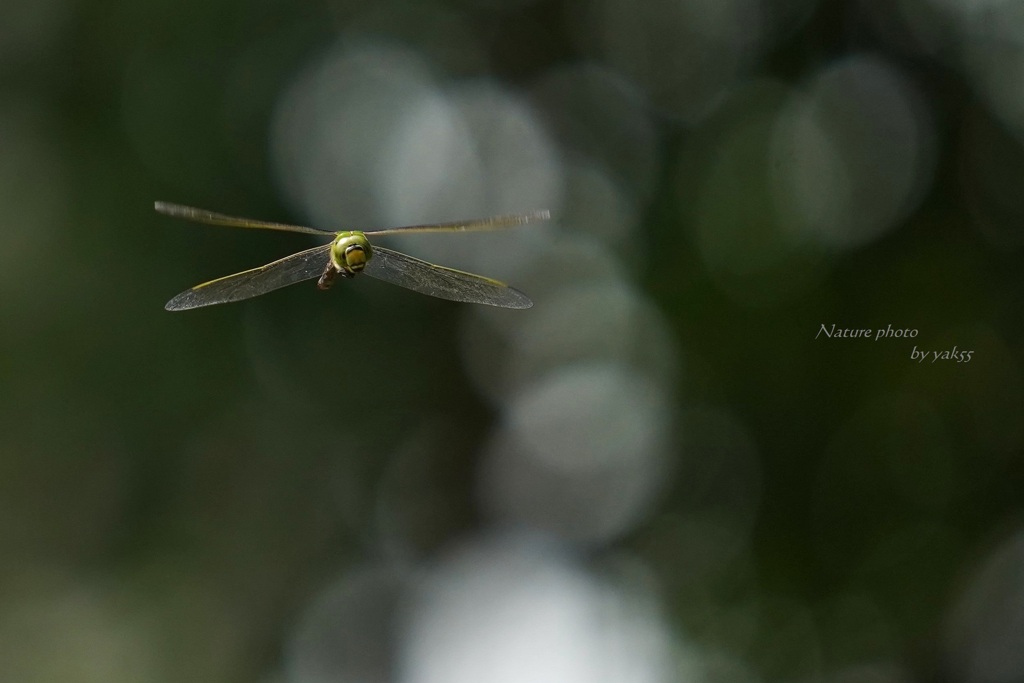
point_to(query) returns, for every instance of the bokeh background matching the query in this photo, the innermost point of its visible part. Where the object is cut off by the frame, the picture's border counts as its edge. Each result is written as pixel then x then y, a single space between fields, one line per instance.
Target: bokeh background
pixel 662 472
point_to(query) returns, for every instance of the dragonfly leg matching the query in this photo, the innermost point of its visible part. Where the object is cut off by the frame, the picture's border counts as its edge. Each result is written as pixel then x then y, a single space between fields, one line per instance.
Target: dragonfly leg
pixel 327 279
pixel 329 274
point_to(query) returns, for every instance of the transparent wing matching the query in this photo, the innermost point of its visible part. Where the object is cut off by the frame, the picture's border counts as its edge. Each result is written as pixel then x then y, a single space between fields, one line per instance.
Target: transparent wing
pixel 304 265
pixel 191 213
pixel 493 223
pixel 444 283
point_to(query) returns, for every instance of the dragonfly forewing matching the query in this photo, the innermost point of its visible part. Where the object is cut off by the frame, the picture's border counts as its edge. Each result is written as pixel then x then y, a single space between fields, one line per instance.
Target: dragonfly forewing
pixel 191 213
pixel 478 225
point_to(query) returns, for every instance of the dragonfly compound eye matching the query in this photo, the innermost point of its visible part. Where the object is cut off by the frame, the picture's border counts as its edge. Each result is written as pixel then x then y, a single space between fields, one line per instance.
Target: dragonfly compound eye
pixel 350 252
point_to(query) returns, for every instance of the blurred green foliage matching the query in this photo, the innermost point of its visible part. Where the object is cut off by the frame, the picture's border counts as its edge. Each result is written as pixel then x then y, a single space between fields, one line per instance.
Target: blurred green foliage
pixel 200 475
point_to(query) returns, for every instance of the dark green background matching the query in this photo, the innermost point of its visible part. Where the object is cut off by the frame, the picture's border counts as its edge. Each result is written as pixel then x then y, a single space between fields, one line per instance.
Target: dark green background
pixel 209 471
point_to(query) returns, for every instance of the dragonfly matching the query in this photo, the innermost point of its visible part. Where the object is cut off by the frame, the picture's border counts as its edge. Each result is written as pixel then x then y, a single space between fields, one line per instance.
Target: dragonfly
pixel 347 254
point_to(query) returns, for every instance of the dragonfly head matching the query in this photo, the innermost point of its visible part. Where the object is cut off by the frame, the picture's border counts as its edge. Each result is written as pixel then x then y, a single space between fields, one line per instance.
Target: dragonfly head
pixel 349 252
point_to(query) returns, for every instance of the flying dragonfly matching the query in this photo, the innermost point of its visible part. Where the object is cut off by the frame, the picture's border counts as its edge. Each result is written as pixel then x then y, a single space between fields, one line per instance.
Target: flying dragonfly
pixel 349 253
